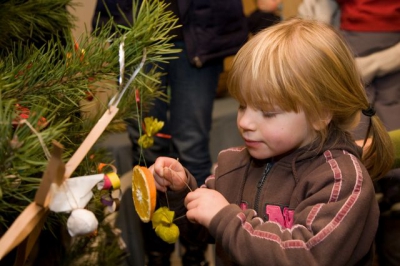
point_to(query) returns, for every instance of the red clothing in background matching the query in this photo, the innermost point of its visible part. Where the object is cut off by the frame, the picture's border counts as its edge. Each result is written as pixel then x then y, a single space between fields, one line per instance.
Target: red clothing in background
pixel 370 15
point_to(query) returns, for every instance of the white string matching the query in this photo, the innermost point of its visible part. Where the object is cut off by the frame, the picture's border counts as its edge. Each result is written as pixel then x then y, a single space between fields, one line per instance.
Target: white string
pixel 121 62
pixel 115 101
pixel 170 170
pixel 44 147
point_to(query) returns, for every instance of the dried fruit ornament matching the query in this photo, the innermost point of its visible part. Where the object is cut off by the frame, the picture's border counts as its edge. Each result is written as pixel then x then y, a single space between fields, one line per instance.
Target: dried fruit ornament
pixel 143 192
pixel 144 196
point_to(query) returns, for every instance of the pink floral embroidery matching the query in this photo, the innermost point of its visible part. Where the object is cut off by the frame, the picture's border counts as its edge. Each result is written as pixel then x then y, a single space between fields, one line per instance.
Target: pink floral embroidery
pixel 275 214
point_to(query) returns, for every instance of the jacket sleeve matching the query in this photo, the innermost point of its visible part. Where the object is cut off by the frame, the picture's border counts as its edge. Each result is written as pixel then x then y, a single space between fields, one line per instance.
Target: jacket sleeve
pixel 335 219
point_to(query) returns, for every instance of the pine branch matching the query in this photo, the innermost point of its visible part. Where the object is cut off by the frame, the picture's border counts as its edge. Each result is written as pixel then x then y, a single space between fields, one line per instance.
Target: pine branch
pixel 43 71
pixel 34 21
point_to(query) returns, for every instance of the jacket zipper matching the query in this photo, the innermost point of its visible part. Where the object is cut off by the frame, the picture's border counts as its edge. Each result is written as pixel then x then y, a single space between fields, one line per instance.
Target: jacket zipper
pixel 260 185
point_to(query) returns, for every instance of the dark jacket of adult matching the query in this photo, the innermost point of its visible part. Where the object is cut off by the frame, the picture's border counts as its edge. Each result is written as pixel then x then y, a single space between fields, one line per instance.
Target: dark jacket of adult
pixel 212 29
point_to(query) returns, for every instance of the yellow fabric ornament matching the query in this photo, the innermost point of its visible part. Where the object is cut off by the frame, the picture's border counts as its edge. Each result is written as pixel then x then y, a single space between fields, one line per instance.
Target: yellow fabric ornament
pixel 146 141
pixel 163 224
pixel 151 127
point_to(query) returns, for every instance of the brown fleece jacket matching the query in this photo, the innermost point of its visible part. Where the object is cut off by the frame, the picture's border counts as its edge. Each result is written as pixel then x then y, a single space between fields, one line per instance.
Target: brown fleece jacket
pixel 309 208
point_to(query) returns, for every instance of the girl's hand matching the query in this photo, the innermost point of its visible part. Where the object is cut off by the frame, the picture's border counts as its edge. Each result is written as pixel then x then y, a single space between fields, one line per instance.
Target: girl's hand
pixel 168 172
pixel 203 204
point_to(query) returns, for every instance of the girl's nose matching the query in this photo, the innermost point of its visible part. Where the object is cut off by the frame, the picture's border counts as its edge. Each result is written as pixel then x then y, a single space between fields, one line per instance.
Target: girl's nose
pixel 245 119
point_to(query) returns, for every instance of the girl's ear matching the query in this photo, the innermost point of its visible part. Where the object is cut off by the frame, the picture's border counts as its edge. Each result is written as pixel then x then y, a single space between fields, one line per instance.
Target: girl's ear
pixel 323 122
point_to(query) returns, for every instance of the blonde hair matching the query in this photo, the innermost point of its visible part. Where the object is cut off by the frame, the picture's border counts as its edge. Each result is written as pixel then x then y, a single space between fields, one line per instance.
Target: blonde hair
pixel 305 65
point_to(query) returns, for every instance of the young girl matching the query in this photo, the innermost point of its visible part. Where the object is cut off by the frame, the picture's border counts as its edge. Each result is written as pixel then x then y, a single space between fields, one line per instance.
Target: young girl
pixel 300 191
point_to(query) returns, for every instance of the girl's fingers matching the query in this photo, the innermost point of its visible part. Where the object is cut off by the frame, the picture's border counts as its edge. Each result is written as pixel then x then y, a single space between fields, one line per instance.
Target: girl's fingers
pixel 161 183
pixel 190 199
pixel 168 172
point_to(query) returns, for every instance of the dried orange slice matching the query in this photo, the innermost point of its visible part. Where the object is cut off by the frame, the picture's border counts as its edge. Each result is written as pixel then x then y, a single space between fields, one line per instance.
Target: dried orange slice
pixel 144 192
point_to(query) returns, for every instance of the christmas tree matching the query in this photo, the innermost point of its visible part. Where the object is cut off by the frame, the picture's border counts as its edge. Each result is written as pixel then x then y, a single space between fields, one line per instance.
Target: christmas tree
pixel 46 80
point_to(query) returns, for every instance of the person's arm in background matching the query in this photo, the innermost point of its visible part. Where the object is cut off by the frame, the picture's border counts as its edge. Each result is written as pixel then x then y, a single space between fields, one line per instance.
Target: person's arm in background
pixel 380 63
pixel 323 10
pixel 395 137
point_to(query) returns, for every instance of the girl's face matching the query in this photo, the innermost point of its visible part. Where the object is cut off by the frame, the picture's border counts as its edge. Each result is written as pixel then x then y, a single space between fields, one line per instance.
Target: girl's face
pixel 273 133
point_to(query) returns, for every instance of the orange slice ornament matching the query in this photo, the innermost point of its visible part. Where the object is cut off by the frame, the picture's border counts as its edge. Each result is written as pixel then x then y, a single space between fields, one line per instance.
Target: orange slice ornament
pixel 144 192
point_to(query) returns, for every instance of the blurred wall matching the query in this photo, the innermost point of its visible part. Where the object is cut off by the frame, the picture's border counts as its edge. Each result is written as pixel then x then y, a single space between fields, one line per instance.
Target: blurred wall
pixel 84 13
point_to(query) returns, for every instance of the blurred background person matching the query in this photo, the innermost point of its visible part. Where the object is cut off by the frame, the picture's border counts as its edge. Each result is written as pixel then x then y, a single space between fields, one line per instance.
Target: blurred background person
pixel 266 14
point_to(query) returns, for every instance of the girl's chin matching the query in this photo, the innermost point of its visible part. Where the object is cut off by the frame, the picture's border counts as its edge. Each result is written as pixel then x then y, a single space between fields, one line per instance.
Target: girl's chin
pixel 257 155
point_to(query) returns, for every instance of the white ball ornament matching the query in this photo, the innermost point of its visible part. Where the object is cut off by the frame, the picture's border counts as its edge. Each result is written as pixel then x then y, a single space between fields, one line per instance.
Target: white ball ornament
pixel 81 222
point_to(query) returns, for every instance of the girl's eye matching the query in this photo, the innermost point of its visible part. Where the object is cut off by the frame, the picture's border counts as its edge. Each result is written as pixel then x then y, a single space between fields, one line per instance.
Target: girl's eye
pixel 269 114
pixel 242 107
